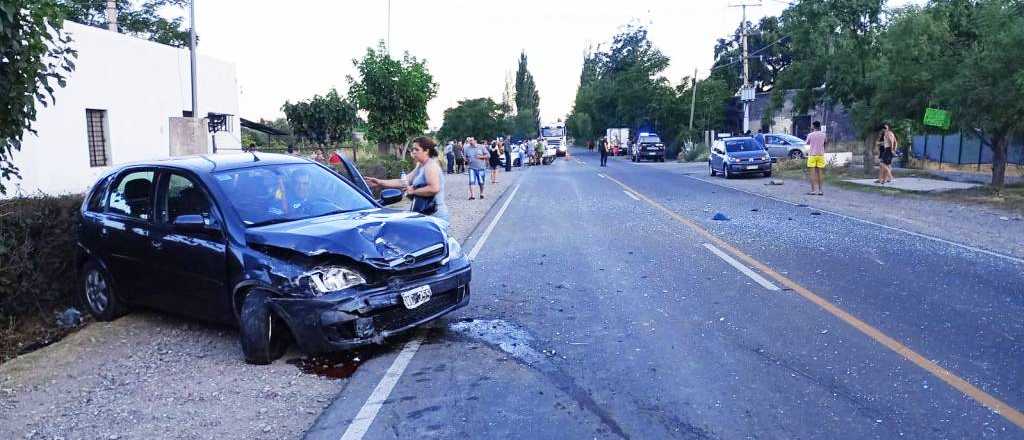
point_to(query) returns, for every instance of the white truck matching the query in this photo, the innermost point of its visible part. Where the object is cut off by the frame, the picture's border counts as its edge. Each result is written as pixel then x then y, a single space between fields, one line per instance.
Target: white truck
pixel 554 136
pixel 618 141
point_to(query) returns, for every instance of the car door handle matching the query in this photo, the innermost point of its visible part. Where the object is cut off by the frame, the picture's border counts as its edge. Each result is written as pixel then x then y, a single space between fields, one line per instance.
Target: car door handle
pixel 157 244
pixel 103 232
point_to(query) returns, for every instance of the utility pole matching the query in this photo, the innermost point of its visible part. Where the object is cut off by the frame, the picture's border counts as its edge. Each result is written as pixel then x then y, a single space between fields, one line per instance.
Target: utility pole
pixel 387 28
pixel 192 55
pixel 112 15
pixel 693 98
pixel 747 92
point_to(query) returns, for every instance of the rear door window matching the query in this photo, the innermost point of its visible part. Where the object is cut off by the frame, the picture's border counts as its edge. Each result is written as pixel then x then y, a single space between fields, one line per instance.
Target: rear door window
pixel 132 195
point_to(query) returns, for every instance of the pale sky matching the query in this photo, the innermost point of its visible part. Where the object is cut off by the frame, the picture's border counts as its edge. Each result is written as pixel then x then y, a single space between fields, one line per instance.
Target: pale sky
pixel 290 50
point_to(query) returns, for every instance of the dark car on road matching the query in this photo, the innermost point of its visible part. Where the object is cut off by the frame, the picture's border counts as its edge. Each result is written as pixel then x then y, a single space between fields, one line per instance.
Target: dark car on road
pixel 285 248
pixel 739 156
pixel 648 146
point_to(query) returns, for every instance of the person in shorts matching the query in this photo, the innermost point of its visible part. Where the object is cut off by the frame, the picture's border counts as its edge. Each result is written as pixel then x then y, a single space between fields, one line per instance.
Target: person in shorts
pixel 477 157
pixel 816 159
pixel 886 151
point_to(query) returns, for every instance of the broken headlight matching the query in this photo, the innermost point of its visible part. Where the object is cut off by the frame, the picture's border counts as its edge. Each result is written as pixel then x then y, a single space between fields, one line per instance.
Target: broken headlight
pixel 454 249
pixel 331 279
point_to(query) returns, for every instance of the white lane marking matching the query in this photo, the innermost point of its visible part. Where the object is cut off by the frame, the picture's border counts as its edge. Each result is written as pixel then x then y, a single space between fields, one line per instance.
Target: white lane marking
pixel 740 267
pixel 869 222
pixel 600 175
pixel 357 429
pixel 631 195
pixel 487 233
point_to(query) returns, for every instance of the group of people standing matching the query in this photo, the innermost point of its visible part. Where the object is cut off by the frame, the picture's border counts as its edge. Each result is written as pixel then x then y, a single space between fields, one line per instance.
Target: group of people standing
pixel 477 157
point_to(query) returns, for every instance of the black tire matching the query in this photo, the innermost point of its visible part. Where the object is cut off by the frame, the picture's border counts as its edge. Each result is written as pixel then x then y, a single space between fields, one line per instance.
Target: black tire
pixel 725 171
pixel 712 169
pixel 796 154
pixel 98 293
pixel 768 174
pixel 264 336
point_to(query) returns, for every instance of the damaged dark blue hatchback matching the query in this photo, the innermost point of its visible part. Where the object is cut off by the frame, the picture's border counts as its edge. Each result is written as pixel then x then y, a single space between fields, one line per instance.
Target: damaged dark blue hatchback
pixel 285 248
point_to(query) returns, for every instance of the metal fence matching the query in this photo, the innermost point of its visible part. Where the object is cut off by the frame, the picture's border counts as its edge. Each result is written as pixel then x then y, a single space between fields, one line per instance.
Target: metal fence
pixel 963 148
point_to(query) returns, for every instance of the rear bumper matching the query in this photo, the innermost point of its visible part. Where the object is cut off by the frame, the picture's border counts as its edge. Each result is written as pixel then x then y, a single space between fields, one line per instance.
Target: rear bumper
pixel 347 320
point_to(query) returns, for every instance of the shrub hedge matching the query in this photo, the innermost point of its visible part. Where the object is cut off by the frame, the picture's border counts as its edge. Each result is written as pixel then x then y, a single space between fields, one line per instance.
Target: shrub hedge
pixel 37 255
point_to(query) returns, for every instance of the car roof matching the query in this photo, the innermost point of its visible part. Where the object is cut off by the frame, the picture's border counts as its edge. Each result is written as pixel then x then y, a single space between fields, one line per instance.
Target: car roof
pixel 208 163
pixel 737 138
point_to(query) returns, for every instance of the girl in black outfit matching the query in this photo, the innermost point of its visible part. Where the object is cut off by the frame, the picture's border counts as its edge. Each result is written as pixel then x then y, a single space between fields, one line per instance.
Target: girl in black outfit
pixel 495 161
pixel 603 149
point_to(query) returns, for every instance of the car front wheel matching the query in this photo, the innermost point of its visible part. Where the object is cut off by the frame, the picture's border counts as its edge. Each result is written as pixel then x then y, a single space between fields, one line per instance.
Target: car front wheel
pixel 725 171
pixel 264 336
pixel 98 293
pixel 796 154
pixel 712 169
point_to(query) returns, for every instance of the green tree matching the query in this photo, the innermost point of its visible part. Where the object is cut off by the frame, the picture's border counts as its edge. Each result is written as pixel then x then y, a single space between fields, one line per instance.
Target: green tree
pixel 322 120
pixel 623 87
pixel 986 89
pixel 834 47
pixel 769 54
pixel 141 20
pixel 35 57
pixel 395 94
pixel 527 101
pixel 480 118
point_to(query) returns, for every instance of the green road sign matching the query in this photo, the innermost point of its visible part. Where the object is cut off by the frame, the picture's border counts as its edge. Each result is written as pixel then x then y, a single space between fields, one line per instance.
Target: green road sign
pixel 936 118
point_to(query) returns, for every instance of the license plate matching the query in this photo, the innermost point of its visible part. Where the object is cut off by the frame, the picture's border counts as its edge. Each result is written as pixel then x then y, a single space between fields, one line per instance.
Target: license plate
pixel 751 167
pixel 416 297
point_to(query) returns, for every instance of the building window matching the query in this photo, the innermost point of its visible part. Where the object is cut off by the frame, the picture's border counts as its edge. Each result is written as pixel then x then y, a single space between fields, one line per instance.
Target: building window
pixel 96 122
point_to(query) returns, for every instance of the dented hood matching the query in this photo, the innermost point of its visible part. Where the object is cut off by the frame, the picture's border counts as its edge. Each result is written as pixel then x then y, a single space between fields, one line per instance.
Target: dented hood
pixel 372 236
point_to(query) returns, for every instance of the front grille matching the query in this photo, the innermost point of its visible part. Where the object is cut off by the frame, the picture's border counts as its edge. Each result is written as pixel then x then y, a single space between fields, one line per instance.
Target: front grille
pixel 397 317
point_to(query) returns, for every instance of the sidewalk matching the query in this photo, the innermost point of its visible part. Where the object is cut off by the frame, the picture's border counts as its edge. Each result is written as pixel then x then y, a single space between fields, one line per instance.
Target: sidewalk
pixel 152 375
pixel 916 184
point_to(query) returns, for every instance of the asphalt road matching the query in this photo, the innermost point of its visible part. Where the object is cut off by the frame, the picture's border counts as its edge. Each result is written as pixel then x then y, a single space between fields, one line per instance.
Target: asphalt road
pixel 601 310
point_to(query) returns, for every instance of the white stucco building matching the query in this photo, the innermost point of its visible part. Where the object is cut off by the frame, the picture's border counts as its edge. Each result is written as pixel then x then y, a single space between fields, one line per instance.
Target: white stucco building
pixel 124 102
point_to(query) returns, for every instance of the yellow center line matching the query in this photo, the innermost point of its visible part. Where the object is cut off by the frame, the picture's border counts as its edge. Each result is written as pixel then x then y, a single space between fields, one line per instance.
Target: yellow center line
pixel 986 399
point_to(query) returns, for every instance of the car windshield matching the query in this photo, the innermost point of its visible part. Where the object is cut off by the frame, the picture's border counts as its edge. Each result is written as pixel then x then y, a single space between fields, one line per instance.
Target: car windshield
pixel 552 132
pixel 791 139
pixel 281 193
pixel 738 145
pixel 650 140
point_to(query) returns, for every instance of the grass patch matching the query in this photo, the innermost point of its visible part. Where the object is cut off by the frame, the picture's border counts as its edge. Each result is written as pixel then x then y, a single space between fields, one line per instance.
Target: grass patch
pixel 1011 198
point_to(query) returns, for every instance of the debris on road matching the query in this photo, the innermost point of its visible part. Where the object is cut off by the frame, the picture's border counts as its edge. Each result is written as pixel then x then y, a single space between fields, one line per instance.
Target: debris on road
pixel 720 217
pixel 69 319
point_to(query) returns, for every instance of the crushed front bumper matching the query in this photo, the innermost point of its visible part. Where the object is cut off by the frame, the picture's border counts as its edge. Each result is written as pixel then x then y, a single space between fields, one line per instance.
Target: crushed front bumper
pixel 345 320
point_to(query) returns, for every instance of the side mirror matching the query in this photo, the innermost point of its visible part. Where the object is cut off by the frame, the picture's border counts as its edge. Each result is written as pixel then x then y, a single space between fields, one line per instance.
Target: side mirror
pixel 193 223
pixel 390 196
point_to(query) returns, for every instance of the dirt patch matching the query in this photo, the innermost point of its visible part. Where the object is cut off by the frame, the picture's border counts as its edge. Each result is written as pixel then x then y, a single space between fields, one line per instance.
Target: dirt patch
pixel 24 334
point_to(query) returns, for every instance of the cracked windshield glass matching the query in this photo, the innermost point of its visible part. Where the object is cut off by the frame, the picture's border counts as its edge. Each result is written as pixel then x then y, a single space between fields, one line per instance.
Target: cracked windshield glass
pixel 725 219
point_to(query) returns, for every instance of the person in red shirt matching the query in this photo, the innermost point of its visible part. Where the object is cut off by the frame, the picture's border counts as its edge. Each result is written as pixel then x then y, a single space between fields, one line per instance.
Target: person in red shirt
pixel 335 158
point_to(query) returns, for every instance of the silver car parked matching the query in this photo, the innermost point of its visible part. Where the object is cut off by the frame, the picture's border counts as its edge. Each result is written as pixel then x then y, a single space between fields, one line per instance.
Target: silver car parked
pixel 781 145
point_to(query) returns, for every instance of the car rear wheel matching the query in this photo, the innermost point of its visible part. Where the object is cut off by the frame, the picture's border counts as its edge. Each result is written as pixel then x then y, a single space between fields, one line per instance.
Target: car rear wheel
pixel 98 293
pixel 796 154
pixel 264 336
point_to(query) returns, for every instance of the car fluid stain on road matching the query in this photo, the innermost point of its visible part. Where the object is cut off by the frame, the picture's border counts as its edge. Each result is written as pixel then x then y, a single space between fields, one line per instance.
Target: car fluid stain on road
pixel 340 365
